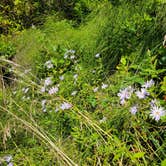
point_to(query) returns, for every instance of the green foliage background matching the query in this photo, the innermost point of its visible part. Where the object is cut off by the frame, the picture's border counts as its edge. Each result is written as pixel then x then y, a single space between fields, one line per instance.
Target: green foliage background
pixel 127 35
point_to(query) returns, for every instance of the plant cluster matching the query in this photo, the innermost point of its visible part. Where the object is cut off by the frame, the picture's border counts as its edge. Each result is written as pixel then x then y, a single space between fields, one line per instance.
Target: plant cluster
pixel 87 95
pixel 89 115
pixel 16 15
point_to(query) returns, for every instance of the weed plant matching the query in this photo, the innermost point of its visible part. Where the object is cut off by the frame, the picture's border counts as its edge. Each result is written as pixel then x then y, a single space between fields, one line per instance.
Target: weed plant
pixel 63 108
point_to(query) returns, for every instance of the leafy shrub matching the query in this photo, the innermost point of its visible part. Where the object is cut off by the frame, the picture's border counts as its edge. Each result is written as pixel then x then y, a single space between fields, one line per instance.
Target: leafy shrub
pixel 19 14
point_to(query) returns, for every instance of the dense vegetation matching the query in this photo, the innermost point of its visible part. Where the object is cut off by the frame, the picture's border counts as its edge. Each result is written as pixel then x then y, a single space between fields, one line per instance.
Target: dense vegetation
pixel 83 82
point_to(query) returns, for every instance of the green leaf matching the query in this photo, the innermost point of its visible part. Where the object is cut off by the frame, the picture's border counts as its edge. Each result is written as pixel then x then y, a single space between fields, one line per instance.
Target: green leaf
pixel 61 61
pixel 123 60
pixel 138 155
pixel 163 86
pixel 163 163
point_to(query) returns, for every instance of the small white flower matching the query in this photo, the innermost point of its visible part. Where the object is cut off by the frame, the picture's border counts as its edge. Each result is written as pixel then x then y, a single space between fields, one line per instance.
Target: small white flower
pixel 56 109
pixel 25 90
pixel 75 76
pixel 104 86
pixel 93 71
pixel 65 56
pixel 133 110
pixel 95 89
pixel 74 93
pixel 43 89
pixel 153 103
pixel 61 78
pixel 157 112
pixel 103 120
pixel 43 102
pixel 44 110
pixel 148 84
pixel 142 94
pixel 122 102
pixel 49 64
pixel 7 158
pixel 48 81
pixel 53 90
pixel 72 57
pixel 65 106
pixel 97 55
pixel 10 164
pixel 125 93
pixel 71 51
pixel 28 98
